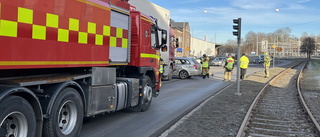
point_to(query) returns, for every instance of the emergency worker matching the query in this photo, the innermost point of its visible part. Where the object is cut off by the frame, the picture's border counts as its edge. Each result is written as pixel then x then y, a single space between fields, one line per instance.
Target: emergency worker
pixel 244 63
pixel 205 66
pixel 229 65
pixel 266 64
pixel 161 69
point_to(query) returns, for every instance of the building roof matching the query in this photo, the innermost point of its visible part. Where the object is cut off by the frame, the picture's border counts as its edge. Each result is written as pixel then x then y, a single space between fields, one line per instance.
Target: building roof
pixel 179 25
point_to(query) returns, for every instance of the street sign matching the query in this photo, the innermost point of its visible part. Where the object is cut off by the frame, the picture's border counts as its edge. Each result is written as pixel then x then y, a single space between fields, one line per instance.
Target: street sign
pixel 264 45
pixel 279 49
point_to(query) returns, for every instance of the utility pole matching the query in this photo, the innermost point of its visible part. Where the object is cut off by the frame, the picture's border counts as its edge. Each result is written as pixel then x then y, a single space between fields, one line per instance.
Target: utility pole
pixel 237 32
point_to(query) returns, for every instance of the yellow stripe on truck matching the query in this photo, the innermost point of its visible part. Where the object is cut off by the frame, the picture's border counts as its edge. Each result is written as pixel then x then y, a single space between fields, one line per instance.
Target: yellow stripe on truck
pixel 145 55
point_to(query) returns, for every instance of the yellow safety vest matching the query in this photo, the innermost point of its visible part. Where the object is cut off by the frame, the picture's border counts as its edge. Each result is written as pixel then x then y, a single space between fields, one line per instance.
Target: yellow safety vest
pixel 230 62
pixel 161 67
pixel 244 62
pixel 266 61
pixel 205 62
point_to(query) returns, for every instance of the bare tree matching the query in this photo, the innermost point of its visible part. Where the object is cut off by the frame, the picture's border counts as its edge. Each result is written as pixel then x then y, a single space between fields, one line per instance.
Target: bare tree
pixel 308 46
pixel 250 43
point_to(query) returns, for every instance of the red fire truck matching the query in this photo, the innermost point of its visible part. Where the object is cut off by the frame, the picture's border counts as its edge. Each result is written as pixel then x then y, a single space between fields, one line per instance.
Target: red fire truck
pixel 163 16
pixel 63 60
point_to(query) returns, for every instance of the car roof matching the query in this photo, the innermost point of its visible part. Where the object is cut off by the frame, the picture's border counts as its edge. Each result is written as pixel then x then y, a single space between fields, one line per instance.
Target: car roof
pixel 183 58
pixel 220 57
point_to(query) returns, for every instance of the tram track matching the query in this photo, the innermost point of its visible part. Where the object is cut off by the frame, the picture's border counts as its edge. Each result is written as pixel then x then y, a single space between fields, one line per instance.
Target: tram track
pixel 280 109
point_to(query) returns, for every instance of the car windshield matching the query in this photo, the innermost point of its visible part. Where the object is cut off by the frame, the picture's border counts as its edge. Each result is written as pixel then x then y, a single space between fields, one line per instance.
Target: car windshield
pixel 219 58
pixel 182 61
pixel 196 62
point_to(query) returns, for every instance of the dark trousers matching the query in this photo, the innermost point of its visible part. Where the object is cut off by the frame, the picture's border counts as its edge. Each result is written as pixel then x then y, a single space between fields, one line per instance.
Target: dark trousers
pixel 243 73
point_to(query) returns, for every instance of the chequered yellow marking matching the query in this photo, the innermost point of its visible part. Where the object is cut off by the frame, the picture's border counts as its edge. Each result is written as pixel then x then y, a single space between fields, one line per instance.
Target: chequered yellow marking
pixel 106 30
pixel 92 27
pixel 38 32
pixel 124 43
pixel 8 28
pixel 73 24
pixel 99 39
pixel 25 15
pixel 113 41
pixel 119 32
pixel 52 20
pixel 83 38
pixel 63 35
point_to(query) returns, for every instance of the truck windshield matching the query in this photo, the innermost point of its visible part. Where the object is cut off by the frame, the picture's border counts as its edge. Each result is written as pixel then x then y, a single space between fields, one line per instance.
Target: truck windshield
pixel 154 37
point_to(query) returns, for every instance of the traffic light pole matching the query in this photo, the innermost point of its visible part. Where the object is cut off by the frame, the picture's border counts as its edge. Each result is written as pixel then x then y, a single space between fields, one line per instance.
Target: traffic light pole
pixel 238 68
pixel 237 33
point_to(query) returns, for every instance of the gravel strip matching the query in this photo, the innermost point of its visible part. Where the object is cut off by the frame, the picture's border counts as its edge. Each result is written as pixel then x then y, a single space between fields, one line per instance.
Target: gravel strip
pixel 310 87
pixel 223 114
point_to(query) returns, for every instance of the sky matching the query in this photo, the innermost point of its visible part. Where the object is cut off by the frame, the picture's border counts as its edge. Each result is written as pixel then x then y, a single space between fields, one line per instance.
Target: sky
pixel 214 18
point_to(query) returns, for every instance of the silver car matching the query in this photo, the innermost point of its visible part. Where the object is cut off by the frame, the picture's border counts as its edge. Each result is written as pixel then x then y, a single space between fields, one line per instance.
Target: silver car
pixel 218 61
pixel 186 67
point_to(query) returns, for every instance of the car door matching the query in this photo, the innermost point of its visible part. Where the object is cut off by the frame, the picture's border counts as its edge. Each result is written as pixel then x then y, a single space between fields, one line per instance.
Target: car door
pixel 177 67
pixel 188 66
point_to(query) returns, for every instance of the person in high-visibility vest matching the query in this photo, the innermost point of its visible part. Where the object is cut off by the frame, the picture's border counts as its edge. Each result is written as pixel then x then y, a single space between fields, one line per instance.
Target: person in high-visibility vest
pixel 266 64
pixel 205 66
pixel 244 63
pixel 229 65
pixel 161 69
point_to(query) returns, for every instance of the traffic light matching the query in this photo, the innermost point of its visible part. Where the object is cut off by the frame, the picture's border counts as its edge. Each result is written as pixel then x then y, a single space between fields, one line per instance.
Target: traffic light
pixel 237 27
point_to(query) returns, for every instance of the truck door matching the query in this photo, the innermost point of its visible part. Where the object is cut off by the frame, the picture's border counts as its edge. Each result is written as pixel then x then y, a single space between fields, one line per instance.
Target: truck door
pixel 119 39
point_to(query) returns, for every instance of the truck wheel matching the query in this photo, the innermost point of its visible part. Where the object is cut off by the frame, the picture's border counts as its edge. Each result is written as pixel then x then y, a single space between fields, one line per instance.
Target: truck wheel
pixel 17 118
pixel 183 74
pixel 66 115
pixel 147 93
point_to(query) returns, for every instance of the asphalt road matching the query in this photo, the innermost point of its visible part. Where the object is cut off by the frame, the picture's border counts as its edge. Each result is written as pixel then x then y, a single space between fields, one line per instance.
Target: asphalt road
pixel 176 99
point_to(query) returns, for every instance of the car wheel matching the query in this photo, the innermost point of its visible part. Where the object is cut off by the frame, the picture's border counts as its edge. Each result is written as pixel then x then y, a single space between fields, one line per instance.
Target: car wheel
pixel 183 74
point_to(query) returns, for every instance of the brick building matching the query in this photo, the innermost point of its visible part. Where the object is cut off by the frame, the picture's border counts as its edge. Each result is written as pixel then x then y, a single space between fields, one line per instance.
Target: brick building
pixel 182 32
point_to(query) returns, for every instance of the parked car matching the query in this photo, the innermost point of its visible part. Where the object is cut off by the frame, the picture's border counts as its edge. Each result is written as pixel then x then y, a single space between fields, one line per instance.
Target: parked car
pixel 258 60
pixel 218 61
pixel 261 59
pixel 186 67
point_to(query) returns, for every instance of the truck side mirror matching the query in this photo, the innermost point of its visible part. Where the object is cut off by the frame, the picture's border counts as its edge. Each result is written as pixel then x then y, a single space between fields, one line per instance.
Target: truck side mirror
pixel 177 43
pixel 163 37
pixel 164 48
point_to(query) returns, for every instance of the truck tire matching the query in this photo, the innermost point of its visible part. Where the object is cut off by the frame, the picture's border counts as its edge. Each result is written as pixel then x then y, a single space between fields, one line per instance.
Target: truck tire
pixel 17 118
pixel 146 93
pixel 66 115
